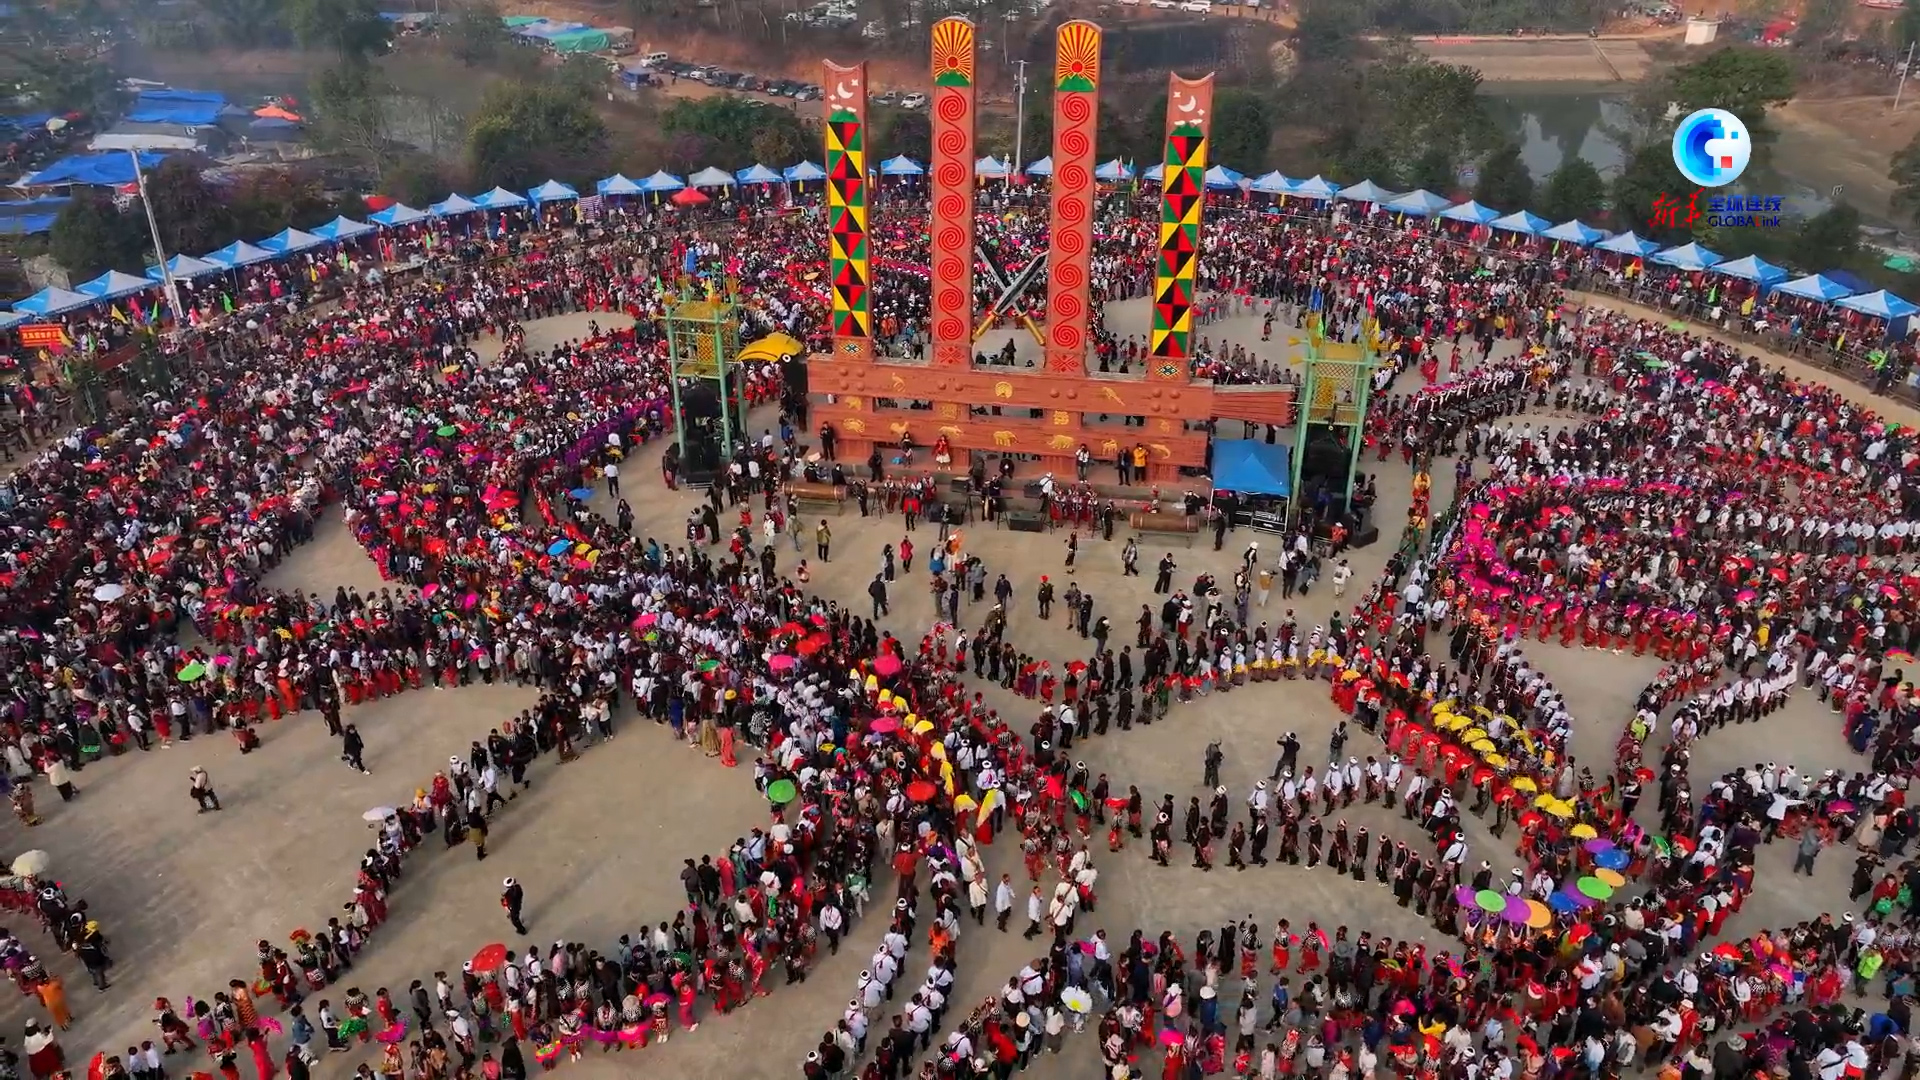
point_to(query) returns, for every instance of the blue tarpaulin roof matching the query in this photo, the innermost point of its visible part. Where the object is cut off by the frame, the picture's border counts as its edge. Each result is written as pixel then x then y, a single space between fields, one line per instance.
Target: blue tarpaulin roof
pixel 453 204
pixel 53 300
pixel 618 184
pixel 757 174
pixel 901 165
pixel 990 166
pixel 397 214
pixel 552 191
pixel 662 180
pixel 1688 257
pixel 1472 213
pixel 1153 173
pixel 711 176
pixel 290 240
pixel 1419 202
pixel 30 217
pixel 238 253
pixel 1366 191
pixel 342 228
pixel 110 169
pixel 1523 222
pixel 1221 178
pixel 1113 170
pixel 113 284
pixel 1628 244
pixel 1040 166
pixel 1815 287
pixel 1752 268
pixel 1881 304
pixel 1252 467
pixel 186 266
pixel 1273 183
pixel 1315 187
pixel 27 224
pixel 1574 232
pixel 499 199
pixel 806 170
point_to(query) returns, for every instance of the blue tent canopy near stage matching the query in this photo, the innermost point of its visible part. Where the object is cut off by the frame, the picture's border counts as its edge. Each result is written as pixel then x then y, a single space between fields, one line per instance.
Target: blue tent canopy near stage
pixel 1252 467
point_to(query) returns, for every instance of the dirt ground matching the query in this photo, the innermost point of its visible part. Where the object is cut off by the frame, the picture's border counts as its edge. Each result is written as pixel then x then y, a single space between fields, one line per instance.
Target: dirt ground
pixel 1848 142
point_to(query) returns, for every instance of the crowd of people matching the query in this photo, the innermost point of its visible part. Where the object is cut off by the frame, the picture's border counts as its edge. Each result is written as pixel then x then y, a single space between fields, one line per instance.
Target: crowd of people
pixel 1724 515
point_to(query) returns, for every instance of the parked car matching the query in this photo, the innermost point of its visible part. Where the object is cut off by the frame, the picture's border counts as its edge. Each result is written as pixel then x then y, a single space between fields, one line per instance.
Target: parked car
pixel 1199 6
pixel 809 92
pixel 913 101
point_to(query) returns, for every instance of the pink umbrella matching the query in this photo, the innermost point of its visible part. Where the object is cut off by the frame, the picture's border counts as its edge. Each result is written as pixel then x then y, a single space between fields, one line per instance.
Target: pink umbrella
pixel 887 665
pixel 886 725
pixel 645 620
pixel 782 662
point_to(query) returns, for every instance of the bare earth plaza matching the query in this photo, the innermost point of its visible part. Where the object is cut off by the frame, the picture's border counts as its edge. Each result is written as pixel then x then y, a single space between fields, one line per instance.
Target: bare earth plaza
pixel 1290 641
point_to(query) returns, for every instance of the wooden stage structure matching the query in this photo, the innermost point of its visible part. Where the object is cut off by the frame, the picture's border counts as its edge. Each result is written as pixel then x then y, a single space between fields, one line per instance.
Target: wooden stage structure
pixel 1050 411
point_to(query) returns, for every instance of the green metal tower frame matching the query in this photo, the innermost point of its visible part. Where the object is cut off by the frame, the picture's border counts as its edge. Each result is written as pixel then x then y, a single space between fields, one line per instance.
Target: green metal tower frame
pixel 1336 392
pixel 703 342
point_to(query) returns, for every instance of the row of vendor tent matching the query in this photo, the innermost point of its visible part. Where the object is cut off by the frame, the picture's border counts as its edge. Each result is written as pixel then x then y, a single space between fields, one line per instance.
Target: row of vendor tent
pixel 1837 288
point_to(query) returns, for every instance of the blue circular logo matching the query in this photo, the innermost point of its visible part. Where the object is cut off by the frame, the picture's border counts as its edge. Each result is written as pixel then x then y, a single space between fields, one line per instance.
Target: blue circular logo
pixel 1711 148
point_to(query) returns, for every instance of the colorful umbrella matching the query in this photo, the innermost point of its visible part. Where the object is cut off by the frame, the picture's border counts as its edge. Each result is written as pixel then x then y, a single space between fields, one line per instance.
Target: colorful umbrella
pixel 1539 915
pixel 706 666
pixel 490 958
pixel 192 671
pixel 1516 910
pixel 885 725
pixel 1615 860
pixel 781 792
pixel 921 791
pixel 1583 831
pixel 782 662
pixel 1597 845
pixel 1491 901
pixel 1613 878
pixel 887 665
pixel 1464 895
pixel 447 431
pixel 1594 887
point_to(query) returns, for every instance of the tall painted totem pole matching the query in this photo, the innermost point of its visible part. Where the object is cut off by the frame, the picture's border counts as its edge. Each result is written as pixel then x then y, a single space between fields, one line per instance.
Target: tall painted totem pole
pixel 1183 194
pixel 849 266
pixel 1076 108
pixel 951 227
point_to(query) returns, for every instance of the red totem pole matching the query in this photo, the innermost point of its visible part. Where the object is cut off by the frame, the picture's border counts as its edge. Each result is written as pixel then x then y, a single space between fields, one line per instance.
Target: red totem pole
pixel 951 227
pixel 1076 106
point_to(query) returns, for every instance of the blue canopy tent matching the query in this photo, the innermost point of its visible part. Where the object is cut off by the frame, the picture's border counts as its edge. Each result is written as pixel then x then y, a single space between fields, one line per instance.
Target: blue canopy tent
pixel 1365 191
pixel 1253 467
pixel 10 319
pixel 902 165
pixel 1574 232
pixel 616 184
pixel 113 285
pixel 1419 202
pixel 397 214
pixel 1752 268
pixel 1628 244
pixel 551 191
pixel 1880 304
pixel 1471 212
pixel 499 199
pixel 990 167
pixel 1815 287
pixel 711 177
pixel 757 174
pixel 1040 166
pixel 806 170
pixel 53 300
pixel 342 228
pixel 185 268
pixel 1272 184
pixel 1522 221
pixel 288 241
pixel 1153 173
pixel 1687 257
pixel 1113 171
pixel 1221 178
pixel 453 205
pixel 1859 285
pixel 1315 187
pixel 661 182
pixel 238 254
pixel 108 169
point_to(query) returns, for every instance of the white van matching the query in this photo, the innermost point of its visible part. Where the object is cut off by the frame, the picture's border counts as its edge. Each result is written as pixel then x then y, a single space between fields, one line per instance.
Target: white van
pixel 653 59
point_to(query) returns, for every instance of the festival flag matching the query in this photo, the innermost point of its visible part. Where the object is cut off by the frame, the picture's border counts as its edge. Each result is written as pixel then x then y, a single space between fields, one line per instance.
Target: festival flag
pixel 116 314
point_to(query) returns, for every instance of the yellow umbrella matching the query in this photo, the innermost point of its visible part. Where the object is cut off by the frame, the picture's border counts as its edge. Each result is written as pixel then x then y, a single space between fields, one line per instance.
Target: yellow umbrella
pixel 1539 915
pixel 1482 710
pixel 1543 799
pixel 1525 783
pixel 1611 877
pixel 774 348
pixel 1454 722
pixel 1498 761
pixel 1483 746
pixel 1559 809
pixel 1473 735
pixel 1583 831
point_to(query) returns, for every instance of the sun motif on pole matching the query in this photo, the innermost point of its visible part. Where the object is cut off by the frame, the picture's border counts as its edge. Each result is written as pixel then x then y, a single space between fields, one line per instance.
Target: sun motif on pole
pixel 953 52
pixel 1076 65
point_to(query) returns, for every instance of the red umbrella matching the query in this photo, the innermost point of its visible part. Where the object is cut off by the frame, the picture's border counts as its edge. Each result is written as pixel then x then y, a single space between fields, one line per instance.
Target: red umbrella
pixel 807 646
pixel 888 664
pixel 1077 667
pixel 921 791
pixel 489 958
pixel 689 197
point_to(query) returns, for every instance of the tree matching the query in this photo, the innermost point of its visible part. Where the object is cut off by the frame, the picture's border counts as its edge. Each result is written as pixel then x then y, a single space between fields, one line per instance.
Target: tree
pixel 1329 29
pixel 1434 170
pixel 730 127
pixel 582 74
pixel 1820 20
pixel 92 236
pixel 63 82
pixel 1906 27
pixel 353 29
pixel 524 133
pixel 1905 174
pixel 1036 135
pixel 896 131
pixel 1574 192
pixel 477 34
pixel 1242 129
pixel 247 24
pixel 263 203
pixel 1828 239
pixel 1744 81
pixel 1649 175
pixel 190 212
pixel 349 113
pixel 1505 181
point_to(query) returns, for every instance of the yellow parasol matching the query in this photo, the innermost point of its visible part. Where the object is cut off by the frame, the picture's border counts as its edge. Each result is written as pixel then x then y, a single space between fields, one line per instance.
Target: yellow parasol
pixel 1525 783
pixel 1473 735
pixel 1539 915
pixel 1611 877
pixel 1483 746
pixel 1556 808
pixel 1583 831
pixel 1498 761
